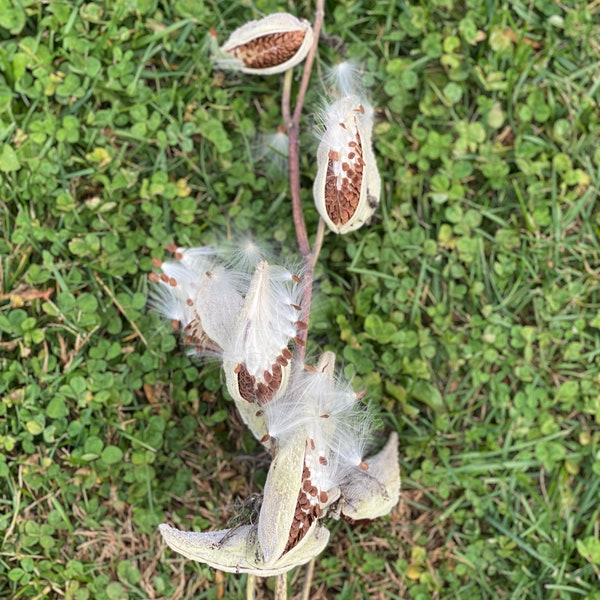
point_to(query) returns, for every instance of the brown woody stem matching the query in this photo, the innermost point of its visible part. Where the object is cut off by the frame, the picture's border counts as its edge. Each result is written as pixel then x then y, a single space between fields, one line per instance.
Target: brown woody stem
pixel 292 124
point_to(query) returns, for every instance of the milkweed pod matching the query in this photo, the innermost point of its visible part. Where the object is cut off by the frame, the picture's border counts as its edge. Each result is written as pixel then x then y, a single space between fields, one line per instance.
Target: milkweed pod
pixel 373 493
pixel 347 186
pixel 267 46
pixel 256 359
pixel 264 326
pixel 279 502
pixel 199 294
pixel 238 550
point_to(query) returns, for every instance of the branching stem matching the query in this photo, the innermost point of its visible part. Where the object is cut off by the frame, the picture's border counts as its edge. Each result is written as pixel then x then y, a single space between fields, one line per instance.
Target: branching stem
pixel 309 256
pixel 292 124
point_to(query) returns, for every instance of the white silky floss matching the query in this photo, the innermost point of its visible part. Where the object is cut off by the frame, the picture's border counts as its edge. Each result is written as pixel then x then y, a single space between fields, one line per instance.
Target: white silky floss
pixel 245 309
pixel 235 305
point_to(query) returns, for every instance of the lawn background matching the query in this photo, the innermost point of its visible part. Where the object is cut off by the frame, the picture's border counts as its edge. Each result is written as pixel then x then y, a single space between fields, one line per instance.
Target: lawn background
pixel 468 310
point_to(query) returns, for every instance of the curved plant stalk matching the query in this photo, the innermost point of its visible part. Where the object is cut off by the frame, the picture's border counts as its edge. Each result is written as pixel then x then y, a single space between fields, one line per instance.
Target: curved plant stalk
pixel 292 124
pixel 309 256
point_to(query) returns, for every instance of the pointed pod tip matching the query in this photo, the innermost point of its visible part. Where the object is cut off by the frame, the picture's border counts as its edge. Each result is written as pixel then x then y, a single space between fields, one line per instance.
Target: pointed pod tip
pixel 163 527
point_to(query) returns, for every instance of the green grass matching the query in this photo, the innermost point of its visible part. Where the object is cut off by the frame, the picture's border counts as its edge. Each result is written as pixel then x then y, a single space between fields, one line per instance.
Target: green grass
pixel 469 309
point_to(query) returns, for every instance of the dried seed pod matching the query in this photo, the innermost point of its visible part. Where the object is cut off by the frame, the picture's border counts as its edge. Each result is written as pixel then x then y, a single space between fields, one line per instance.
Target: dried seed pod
pixel 238 550
pixel 254 359
pixel 267 46
pixel 284 480
pixel 347 186
pixel 373 493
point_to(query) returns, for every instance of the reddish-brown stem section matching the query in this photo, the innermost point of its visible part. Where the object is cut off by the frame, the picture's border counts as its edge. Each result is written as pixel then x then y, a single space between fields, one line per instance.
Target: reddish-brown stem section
pixel 292 123
pixel 298 215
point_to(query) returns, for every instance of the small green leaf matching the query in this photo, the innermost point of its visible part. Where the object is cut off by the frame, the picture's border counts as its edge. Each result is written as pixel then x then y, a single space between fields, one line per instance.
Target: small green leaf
pixel 549 453
pixel 34 427
pixel 93 445
pixel 429 395
pixel 57 408
pixel 115 591
pixel 78 385
pixel 382 331
pixel 111 455
pixel 8 159
pixel 15 574
pixel 589 548
pixel 12 17
pixel 87 303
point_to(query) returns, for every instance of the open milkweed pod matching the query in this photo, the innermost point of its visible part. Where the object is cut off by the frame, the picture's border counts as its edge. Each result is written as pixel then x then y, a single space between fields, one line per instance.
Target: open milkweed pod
pixel 199 295
pixel 347 186
pixel 280 498
pixel 267 46
pixel 373 493
pixel 257 361
pixel 238 551
pixel 292 506
pixel 276 544
pixel 319 430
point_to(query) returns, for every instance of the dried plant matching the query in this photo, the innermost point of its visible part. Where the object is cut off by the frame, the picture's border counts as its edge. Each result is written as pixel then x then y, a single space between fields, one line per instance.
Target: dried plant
pixel 268 46
pixel 347 185
pixel 252 313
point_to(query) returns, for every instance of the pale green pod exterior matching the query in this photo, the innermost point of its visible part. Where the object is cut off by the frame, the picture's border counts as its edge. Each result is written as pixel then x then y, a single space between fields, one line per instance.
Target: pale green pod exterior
pixel 373 493
pixel 241 552
pixel 282 487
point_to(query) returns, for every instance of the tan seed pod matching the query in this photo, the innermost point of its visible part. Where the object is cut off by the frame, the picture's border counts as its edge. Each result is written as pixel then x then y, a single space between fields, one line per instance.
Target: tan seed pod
pixel 267 46
pixel 347 186
pixel 238 550
pixel 372 493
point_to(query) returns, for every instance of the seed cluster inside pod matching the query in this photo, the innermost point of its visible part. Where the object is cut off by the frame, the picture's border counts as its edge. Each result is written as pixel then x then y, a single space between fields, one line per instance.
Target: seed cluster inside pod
pixel 308 508
pixel 254 390
pixel 343 180
pixel 347 185
pixel 195 336
pixel 266 46
pixel 269 50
